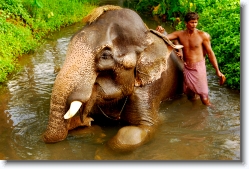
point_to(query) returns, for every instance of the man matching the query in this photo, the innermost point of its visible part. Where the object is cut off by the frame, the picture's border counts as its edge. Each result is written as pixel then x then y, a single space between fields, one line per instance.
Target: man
pixel 196 45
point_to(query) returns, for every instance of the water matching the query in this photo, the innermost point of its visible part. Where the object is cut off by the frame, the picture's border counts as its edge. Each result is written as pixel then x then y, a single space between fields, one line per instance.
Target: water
pixel 189 131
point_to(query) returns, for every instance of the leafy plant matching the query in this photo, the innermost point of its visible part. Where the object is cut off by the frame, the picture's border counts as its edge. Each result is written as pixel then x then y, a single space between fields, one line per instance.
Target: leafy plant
pixel 223 24
pixel 23 23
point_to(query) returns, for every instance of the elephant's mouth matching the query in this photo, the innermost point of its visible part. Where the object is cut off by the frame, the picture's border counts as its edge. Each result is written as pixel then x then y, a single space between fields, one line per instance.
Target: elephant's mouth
pixel 106 93
pixel 108 90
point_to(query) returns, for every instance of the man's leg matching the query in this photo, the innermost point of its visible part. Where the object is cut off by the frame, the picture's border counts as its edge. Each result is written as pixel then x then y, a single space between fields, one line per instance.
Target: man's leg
pixel 191 95
pixel 205 100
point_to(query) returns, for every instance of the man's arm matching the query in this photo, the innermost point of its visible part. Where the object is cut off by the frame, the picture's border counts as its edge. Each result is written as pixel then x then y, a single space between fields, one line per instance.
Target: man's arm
pixel 172 36
pixel 211 56
pixel 209 52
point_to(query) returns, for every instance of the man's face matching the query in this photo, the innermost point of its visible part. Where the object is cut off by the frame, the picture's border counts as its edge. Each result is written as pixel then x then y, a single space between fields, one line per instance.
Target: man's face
pixel 191 25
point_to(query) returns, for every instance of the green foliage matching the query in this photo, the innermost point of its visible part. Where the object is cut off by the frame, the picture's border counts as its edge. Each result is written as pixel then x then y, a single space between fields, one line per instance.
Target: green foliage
pixel 13 9
pixel 6 66
pixel 15 36
pixel 223 24
pixel 171 9
pixel 160 7
pixel 51 15
pixel 24 22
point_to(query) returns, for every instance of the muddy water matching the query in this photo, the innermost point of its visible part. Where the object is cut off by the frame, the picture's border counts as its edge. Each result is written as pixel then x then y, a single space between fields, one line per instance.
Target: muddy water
pixel 189 130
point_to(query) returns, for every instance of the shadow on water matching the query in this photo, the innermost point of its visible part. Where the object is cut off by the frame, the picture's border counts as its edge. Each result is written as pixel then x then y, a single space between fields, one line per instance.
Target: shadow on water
pixel 189 130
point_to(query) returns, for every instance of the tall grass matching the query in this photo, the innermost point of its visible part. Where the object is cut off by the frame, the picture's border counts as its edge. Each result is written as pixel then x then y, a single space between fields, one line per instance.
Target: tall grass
pixel 23 23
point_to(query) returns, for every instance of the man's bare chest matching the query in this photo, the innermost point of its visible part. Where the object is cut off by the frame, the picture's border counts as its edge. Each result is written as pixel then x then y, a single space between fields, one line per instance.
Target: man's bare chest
pixel 191 42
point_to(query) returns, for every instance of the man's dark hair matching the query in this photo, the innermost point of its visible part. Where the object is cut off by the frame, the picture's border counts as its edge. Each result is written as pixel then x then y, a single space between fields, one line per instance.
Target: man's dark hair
pixel 191 16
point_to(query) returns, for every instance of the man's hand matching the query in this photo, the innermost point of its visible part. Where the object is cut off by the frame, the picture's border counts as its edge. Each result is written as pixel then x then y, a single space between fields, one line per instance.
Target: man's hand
pixel 179 54
pixel 160 29
pixel 222 78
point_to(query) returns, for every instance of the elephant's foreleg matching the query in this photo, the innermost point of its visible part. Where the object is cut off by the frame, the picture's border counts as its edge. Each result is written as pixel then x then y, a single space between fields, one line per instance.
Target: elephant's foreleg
pixel 129 138
pixel 142 113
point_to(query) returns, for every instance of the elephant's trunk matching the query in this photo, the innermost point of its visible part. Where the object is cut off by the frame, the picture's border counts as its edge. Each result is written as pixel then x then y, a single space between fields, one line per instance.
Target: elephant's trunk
pixel 73 83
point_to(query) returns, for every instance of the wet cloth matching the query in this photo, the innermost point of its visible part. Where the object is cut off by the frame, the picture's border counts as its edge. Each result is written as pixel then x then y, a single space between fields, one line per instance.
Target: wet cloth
pixel 195 77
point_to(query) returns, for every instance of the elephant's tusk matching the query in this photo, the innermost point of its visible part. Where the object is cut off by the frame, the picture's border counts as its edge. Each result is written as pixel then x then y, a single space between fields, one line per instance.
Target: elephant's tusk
pixel 74 107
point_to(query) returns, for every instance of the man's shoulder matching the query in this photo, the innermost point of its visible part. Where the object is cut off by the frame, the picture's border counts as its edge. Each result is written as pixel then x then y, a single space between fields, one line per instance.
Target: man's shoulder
pixel 203 34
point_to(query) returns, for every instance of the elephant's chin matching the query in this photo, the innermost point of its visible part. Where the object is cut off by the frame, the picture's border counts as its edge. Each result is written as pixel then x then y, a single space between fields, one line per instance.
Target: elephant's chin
pixel 108 90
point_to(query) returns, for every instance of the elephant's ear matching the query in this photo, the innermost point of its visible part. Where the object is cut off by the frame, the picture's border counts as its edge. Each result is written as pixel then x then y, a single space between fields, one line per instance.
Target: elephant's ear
pixel 152 61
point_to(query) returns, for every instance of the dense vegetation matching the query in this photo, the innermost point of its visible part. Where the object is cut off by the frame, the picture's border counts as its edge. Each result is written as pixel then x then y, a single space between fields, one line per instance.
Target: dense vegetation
pixel 224 27
pixel 220 18
pixel 23 24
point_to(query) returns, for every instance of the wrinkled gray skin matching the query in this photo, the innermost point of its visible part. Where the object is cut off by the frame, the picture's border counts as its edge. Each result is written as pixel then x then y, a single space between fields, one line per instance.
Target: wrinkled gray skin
pixel 114 58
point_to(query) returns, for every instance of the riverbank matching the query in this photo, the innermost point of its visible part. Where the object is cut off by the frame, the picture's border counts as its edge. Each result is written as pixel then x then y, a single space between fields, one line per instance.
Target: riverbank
pixel 23 24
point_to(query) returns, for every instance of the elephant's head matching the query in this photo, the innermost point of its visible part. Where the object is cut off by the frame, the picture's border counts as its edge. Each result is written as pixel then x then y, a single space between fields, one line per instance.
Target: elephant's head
pixel 105 60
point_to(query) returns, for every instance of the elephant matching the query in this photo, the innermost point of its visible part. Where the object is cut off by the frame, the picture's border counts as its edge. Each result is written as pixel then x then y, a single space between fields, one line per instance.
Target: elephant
pixel 115 69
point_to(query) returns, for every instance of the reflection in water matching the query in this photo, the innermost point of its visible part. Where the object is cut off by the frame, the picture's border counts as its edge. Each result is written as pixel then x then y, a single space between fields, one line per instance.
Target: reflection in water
pixel 189 130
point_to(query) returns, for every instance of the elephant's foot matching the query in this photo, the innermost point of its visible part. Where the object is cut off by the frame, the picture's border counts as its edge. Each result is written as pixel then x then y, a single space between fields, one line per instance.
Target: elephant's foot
pixel 106 153
pixel 128 139
pixel 76 122
pixel 54 135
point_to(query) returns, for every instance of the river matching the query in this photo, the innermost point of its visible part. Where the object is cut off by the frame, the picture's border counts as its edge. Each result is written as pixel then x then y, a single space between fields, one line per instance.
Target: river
pixel 190 130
